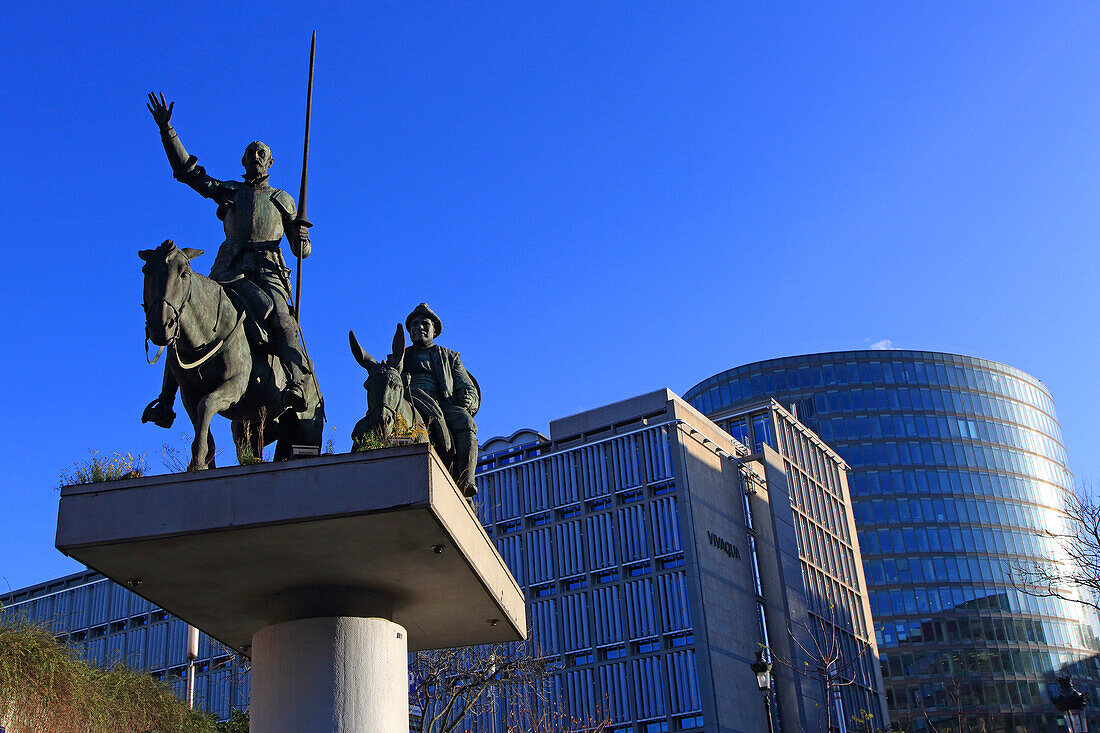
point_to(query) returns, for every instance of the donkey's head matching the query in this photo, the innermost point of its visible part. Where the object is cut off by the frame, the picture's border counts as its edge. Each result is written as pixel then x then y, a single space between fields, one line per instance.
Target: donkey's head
pixel 168 274
pixel 385 385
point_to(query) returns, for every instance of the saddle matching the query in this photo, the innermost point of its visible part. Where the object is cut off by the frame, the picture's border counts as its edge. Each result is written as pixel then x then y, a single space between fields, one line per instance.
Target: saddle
pixel 257 307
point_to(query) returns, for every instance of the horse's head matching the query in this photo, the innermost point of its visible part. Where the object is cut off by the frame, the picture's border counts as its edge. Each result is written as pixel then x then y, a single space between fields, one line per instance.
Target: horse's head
pixel 385 384
pixel 167 288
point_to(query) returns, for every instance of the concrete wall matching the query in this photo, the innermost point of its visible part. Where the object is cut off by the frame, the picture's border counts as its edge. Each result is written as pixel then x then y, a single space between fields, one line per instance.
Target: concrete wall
pixel 798 697
pixel 724 602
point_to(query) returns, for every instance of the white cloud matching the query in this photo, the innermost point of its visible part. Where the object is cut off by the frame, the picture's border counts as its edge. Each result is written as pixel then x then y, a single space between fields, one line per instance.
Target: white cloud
pixel 883 345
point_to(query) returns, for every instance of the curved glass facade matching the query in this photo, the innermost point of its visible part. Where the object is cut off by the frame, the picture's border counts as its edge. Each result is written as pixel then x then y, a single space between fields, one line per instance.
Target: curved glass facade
pixel 957 467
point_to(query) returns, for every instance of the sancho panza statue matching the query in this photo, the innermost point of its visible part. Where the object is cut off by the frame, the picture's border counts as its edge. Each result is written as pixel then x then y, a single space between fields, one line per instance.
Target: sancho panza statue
pixel 249 262
pixel 444 395
pixel 424 385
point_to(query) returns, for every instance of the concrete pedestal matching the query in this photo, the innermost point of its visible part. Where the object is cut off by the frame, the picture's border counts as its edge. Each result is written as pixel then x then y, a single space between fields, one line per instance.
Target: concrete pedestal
pixel 343 674
pixel 313 567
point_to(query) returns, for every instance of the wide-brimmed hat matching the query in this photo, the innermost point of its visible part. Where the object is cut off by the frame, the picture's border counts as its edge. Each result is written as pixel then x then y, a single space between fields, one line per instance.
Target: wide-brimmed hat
pixel 423 311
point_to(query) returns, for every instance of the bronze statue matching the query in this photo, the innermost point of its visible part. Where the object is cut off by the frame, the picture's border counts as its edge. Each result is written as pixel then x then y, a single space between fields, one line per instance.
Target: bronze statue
pixel 443 395
pixel 249 263
pixel 217 370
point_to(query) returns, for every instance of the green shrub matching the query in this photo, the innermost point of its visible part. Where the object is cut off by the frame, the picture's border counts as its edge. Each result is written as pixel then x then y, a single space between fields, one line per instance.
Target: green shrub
pixel 237 723
pixel 45 687
pixel 401 434
pixel 101 468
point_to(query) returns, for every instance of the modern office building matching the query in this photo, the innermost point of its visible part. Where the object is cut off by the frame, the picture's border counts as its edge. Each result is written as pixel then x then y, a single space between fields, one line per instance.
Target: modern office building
pixel 957 469
pixel 658 555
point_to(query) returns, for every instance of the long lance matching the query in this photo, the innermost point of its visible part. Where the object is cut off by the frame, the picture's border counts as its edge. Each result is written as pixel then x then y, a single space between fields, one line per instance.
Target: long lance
pixel 301 219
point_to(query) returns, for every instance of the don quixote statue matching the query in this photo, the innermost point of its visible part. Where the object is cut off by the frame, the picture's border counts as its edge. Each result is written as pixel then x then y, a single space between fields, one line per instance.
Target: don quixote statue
pixel 233 342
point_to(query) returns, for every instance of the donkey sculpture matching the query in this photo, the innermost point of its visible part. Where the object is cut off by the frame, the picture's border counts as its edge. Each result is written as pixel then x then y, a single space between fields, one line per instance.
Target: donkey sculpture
pixel 388 402
pixel 211 360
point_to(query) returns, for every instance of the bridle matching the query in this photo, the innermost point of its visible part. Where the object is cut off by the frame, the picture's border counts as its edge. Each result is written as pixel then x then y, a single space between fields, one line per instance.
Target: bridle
pixel 384 406
pixel 177 315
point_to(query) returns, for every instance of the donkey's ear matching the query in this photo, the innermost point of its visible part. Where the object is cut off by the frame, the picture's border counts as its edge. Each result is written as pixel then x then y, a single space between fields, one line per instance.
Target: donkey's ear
pixel 365 360
pixel 399 340
pixel 396 359
pixel 191 253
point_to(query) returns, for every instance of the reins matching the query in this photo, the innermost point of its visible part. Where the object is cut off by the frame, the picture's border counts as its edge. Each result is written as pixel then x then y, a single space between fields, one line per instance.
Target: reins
pixel 215 350
pixel 177 316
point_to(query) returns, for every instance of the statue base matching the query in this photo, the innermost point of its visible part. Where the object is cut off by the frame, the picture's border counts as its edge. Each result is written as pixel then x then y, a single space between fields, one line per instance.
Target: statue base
pixel 361 546
pixel 343 674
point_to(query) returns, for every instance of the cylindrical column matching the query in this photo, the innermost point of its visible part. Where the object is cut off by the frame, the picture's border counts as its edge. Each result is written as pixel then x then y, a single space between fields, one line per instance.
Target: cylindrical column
pixel 341 674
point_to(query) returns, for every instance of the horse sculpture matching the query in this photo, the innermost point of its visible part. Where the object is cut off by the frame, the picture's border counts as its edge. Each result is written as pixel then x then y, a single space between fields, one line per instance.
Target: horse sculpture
pixel 388 403
pixel 212 361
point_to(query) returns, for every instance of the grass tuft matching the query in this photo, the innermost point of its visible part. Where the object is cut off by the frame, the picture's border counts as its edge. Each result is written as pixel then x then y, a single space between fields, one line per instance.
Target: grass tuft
pixel 103 468
pixel 401 434
pixel 46 687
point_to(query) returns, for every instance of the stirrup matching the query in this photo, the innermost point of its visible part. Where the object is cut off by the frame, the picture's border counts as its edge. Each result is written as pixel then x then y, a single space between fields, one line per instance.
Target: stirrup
pixel 294 397
pixel 158 413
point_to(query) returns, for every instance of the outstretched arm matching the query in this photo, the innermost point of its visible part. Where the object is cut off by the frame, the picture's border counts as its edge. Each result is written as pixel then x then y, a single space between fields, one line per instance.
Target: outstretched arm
pixel 184 166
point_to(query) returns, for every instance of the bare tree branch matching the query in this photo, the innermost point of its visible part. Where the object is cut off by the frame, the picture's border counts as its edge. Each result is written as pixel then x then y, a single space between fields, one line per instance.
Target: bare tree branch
pixel 450 685
pixel 1070 568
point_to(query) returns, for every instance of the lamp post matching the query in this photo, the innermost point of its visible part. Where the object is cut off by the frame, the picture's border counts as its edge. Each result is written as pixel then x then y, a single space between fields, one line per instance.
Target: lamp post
pixel 1071 704
pixel 762 668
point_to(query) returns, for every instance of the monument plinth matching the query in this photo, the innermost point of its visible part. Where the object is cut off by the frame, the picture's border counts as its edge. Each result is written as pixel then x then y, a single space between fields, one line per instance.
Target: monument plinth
pixel 312 567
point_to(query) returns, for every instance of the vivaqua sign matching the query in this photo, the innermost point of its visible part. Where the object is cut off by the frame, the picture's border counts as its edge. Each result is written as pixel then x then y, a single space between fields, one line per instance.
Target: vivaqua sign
pixel 724 545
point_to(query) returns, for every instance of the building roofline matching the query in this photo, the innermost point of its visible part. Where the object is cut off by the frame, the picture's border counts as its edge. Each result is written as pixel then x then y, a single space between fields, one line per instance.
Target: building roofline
pixel 64 579
pixel 511 438
pixel 882 354
pixel 745 408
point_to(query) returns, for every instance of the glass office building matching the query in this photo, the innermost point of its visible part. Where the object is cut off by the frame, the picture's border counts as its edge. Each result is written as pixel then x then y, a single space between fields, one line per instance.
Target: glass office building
pixel 957 469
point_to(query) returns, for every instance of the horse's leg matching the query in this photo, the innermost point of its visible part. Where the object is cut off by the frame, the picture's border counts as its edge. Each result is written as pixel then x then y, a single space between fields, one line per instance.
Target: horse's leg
pixel 203 453
pixel 209 406
pixel 190 404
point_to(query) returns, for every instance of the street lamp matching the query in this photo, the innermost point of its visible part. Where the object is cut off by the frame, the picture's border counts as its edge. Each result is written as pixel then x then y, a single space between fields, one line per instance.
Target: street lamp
pixel 762 668
pixel 1071 704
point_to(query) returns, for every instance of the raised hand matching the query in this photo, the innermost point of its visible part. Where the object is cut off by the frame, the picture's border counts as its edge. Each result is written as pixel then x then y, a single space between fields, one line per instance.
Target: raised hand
pixel 160 109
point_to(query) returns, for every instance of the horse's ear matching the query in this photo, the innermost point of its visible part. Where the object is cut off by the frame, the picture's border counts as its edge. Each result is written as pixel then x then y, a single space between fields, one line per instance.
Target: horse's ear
pixel 191 253
pixel 397 355
pixel 145 254
pixel 365 360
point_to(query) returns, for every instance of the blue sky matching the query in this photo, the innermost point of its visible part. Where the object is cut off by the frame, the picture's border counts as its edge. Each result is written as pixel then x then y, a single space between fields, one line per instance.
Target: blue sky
pixel 599 199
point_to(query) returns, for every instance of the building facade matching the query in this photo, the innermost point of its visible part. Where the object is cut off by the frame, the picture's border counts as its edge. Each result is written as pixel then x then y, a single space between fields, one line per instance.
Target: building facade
pixel 658 554
pixel 957 470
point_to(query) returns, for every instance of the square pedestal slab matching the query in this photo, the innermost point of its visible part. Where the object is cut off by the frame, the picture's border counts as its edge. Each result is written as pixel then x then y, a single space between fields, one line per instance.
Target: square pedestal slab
pixel 216 547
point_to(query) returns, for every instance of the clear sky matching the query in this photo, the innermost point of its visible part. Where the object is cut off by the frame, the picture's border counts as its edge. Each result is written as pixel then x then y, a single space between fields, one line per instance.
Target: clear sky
pixel 599 199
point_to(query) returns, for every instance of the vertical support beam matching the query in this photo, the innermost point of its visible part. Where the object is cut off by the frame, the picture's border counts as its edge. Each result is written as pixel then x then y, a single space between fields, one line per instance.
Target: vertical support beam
pixel 340 674
pixel 192 655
